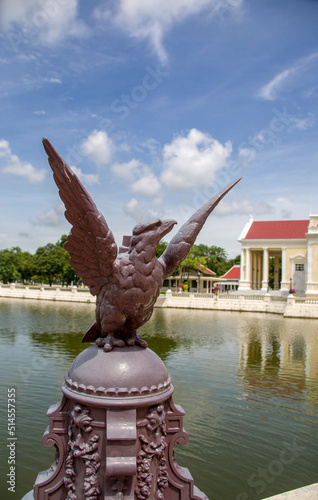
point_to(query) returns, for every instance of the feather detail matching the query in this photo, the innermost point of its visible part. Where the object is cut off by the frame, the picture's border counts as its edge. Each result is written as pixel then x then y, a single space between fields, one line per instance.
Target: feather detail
pixel 91 243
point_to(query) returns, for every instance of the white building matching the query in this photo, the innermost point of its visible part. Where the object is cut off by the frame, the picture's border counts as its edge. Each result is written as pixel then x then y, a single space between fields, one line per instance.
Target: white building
pixel 293 246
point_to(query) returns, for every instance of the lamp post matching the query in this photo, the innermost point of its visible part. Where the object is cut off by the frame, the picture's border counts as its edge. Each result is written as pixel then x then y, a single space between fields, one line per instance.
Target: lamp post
pixel 291 285
pixel 199 275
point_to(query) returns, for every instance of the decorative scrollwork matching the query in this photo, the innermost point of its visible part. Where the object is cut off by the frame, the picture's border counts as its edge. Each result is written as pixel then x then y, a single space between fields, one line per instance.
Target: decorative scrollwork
pixel 153 448
pixel 87 451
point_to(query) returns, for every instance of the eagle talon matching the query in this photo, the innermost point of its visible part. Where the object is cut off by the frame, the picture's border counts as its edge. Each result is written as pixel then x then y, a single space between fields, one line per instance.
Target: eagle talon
pixel 118 343
pixel 100 342
pixel 110 342
pixel 139 341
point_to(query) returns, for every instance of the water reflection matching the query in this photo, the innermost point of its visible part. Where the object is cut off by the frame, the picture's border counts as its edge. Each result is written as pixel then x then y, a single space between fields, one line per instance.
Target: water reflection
pixel 283 362
pixel 248 384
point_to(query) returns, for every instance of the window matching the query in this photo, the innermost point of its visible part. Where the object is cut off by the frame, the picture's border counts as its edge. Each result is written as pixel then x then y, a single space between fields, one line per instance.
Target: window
pixel 299 267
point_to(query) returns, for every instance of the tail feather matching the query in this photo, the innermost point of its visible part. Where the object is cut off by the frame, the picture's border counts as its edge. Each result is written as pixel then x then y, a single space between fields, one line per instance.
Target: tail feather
pixel 92 334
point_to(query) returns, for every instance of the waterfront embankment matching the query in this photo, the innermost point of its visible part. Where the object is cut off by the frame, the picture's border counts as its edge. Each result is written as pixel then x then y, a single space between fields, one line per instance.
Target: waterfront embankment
pixel 60 294
pixel 306 493
pixel 288 306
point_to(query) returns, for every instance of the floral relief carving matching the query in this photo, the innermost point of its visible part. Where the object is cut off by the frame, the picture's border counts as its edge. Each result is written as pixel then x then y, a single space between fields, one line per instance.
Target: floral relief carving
pixel 153 446
pixel 119 488
pixel 86 450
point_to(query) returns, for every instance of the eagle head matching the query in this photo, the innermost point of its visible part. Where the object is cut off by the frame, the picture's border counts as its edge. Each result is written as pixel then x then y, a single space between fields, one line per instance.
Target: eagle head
pixel 147 234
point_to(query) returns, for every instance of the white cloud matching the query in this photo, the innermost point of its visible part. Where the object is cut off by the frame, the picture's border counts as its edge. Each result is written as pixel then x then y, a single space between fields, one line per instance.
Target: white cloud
pixel 243 207
pixel 50 21
pixel 52 217
pixel 148 185
pixel 311 92
pixel 247 154
pixel 302 123
pixel 269 92
pixel 98 147
pixel 40 112
pixel 127 171
pixel 151 19
pixel 192 160
pixel 88 179
pixel 130 207
pixel 14 166
pixel 139 176
pixel 52 80
pixel 4 148
pixel 142 211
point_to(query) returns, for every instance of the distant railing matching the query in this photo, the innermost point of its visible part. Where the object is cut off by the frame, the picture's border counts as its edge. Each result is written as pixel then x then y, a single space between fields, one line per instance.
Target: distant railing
pixel 303 300
pixel 203 295
pixel 232 296
pixel 47 288
pixel 225 296
pixel 253 297
pixel 194 295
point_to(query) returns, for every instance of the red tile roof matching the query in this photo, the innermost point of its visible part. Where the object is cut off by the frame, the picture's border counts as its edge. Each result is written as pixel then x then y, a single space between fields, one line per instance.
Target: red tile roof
pixel 233 274
pixel 205 270
pixel 277 229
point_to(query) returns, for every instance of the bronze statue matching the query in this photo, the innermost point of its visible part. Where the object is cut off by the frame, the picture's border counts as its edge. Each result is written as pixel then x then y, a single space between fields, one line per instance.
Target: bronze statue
pixel 127 282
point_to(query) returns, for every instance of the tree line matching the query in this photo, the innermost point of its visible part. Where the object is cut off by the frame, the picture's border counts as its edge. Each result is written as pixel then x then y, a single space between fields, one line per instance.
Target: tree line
pixel 213 257
pixel 48 264
pixel 51 263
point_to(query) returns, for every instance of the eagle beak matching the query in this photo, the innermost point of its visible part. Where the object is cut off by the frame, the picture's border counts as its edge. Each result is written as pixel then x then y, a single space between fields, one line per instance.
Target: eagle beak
pixel 166 227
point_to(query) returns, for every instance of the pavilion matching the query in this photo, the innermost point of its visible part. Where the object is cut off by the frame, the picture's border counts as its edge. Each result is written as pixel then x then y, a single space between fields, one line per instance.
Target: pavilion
pixel 293 247
pixel 230 280
pixel 201 279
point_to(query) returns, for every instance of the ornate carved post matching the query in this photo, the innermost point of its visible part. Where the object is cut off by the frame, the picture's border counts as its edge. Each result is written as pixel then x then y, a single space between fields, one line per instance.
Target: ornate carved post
pixel 115 431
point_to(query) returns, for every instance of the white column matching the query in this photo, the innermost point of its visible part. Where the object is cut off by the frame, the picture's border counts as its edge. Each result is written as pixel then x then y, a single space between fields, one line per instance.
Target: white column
pixel 259 265
pixel 253 258
pixel 242 277
pixel 284 285
pixel 265 270
pixel 309 268
pixel 244 283
pixel 248 267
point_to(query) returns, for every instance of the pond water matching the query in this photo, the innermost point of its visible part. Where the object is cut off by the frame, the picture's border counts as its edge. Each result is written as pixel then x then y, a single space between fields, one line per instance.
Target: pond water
pixel 247 382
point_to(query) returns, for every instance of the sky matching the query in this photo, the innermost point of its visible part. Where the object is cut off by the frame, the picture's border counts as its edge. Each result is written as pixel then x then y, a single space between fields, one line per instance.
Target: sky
pixel 157 105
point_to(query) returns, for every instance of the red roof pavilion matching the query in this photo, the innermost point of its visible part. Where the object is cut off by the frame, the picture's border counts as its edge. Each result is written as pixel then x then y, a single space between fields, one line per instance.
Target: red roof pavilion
pixel 233 273
pixel 277 229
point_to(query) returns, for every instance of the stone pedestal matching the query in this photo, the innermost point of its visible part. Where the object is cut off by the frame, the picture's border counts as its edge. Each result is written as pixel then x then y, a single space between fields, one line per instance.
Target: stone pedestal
pixel 114 432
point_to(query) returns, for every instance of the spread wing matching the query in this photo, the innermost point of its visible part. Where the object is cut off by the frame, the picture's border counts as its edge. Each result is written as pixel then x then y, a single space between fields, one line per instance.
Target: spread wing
pixel 91 244
pixel 180 245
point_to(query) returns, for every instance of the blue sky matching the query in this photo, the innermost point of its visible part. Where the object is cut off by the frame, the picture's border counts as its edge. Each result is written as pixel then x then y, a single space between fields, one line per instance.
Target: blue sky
pixel 158 104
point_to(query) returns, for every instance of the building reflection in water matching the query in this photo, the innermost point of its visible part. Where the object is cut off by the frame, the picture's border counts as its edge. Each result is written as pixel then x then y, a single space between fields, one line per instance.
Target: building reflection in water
pixel 283 364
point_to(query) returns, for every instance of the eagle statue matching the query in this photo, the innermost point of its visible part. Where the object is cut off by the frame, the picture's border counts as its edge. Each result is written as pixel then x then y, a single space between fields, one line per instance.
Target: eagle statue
pixel 127 281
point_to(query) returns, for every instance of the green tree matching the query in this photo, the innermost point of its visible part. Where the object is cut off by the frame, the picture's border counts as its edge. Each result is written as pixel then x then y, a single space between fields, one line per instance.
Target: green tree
pixel 9 264
pixel 50 261
pixel 26 265
pixel 162 245
pixel 190 264
pixel 215 258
